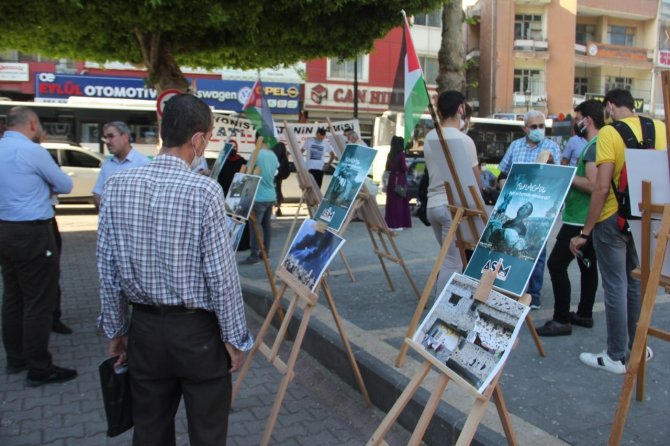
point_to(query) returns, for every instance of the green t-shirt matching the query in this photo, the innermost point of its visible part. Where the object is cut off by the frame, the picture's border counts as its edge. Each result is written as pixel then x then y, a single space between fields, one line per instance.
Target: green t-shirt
pixel 577 202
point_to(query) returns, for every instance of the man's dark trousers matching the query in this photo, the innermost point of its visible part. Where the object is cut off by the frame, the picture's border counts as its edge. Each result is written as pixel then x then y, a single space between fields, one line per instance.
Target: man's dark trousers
pixel 174 354
pixel 30 271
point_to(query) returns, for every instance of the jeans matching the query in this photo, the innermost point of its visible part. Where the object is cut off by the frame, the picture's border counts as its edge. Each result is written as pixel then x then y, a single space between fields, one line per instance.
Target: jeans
pixel 537 277
pixel 617 257
pixel 440 220
pixel 558 263
pixel 263 211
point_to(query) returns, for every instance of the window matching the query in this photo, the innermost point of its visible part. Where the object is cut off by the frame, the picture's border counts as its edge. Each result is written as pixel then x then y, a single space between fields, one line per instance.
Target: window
pixel 79 159
pixel 621 35
pixel 528 27
pixel 528 80
pixel 612 82
pixel 344 70
pixel 433 18
pixel 585 33
pixel 431 68
pixel 581 85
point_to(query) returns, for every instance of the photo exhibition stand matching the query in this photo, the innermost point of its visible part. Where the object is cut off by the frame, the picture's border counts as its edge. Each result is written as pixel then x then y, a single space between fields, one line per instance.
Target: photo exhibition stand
pixel 445 374
pixel 311 195
pixel 306 300
pixel 635 366
pixel 467 211
pixel 367 208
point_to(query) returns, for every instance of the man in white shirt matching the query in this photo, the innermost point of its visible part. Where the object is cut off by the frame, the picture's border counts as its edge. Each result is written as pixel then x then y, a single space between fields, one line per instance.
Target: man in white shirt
pixel 116 135
pixel 451 107
pixel 316 148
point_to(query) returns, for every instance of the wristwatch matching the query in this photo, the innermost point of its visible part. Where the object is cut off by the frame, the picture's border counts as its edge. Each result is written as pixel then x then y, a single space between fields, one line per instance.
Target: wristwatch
pixel 584 236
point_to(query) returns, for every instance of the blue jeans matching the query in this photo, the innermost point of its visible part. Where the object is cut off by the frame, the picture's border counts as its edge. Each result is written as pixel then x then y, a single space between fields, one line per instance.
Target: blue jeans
pixel 440 220
pixel 617 257
pixel 263 211
pixel 537 277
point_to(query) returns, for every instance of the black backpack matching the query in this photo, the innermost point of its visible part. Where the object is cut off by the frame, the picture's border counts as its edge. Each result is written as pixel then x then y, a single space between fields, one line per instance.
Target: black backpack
pixel 631 142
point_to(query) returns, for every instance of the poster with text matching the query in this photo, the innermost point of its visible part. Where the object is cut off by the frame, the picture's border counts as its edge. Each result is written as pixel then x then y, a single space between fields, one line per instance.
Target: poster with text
pixel 472 338
pixel 242 194
pixel 221 160
pixel 520 223
pixel 345 185
pixel 310 253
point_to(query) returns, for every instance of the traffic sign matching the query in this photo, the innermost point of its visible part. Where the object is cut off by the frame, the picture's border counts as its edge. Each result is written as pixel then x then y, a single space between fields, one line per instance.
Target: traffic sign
pixel 165 96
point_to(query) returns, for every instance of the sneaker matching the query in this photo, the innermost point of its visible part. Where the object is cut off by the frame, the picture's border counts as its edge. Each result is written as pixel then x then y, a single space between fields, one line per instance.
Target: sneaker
pixel 553 328
pixel 535 303
pixel 55 375
pixel 602 361
pixel 575 319
pixel 250 261
pixel 650 354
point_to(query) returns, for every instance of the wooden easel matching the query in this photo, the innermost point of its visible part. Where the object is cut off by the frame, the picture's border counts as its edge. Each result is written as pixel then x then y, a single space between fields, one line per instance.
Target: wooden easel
pixel 638 352
pixel 481 400
pixel 251 168
pixel 381 236
pixel 306 299
pixel 311 195
pixel 459 214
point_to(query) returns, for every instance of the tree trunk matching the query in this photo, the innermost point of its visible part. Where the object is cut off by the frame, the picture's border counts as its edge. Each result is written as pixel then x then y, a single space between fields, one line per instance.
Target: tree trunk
pixel 451 56
pixel 162 68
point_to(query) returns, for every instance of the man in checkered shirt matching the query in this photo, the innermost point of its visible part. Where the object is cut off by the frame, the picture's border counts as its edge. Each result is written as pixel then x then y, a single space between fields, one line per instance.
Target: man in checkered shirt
pixel 163 248
pixel 532 148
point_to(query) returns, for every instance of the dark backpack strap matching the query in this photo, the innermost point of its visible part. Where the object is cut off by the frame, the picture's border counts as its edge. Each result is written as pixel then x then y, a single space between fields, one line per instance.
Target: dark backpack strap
pixel 648 133
pixel 626 133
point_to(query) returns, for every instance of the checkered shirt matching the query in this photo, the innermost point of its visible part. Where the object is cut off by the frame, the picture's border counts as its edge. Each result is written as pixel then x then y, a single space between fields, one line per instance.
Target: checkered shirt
pixel 162 241
pixel 520 152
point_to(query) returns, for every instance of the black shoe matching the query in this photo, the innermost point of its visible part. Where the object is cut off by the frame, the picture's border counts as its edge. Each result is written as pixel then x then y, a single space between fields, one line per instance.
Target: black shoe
pixel 250 261
pixel 16 368
pixel 59 327
pixel 576 319
pixel 55 375
pixel 553 328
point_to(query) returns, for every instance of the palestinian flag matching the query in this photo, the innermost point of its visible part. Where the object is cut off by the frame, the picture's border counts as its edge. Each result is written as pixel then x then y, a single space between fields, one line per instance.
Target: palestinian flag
pixel 409 87
pixel 258 112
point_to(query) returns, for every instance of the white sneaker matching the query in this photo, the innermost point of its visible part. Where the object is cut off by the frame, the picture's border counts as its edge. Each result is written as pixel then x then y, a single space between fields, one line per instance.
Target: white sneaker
pixel 602 361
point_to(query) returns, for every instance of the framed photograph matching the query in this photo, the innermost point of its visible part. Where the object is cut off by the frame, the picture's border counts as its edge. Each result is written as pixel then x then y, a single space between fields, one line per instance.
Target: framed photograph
pixel 234 229
pixel 310 253
pixel 520 223
pixel 242 194
pixel 347 180
pixel 471 338
pixel 221 160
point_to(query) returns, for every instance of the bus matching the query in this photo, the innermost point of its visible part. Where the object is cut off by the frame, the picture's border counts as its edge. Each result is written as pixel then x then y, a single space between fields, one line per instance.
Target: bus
pixel 492 136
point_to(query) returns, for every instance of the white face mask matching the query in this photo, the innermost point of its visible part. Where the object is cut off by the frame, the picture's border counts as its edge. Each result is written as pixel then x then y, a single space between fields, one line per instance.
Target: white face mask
pixel 197 159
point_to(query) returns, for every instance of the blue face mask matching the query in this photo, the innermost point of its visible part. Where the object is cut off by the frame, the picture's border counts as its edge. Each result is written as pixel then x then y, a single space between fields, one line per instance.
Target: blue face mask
pixel 536 135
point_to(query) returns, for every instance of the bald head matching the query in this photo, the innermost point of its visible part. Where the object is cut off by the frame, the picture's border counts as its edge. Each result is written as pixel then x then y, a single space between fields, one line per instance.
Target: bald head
pixel 23 120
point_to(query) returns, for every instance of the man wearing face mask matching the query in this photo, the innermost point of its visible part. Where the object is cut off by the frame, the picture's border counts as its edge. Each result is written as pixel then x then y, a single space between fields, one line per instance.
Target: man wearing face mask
pixel 528 150
pixel 589 120
pixel 451 107
pixel 163 248
pixel 617 256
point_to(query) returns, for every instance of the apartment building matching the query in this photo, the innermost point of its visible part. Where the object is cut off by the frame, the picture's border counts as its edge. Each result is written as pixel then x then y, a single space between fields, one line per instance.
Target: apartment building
pixel 551 54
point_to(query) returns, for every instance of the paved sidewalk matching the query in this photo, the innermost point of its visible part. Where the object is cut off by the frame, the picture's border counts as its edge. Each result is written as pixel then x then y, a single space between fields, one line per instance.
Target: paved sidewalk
pixel 319 408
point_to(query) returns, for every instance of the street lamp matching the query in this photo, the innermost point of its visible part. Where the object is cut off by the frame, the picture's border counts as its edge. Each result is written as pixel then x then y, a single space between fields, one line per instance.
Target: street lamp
pixel 527 96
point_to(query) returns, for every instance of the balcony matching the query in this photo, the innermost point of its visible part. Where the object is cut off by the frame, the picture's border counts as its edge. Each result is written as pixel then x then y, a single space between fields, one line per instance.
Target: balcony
pixel 536 100
pixel 597 54
pixel 531 2
pixel 531 49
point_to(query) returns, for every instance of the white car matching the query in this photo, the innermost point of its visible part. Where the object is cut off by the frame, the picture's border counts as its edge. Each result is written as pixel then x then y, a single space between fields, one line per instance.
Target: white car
pixel 81 164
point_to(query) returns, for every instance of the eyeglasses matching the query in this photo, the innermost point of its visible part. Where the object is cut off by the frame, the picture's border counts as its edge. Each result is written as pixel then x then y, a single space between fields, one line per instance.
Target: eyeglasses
pixel 109 136
pixel 536 126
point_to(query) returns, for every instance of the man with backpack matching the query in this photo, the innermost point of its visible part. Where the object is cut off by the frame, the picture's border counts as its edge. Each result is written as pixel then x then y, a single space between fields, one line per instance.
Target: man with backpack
pixel 606 225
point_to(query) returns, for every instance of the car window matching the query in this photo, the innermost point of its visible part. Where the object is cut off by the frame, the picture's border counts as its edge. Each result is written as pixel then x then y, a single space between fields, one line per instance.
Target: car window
pixel 74 158
pixel 54 155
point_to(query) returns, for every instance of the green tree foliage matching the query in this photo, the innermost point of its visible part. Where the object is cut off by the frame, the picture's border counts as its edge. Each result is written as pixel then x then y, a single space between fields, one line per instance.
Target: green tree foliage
pixel 163 35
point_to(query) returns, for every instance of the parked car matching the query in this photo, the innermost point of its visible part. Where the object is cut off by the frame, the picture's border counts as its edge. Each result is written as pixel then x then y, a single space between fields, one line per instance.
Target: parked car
pixel 81 164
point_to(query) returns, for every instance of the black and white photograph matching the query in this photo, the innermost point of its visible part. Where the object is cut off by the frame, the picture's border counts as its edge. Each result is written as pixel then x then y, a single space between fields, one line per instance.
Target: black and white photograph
pixel 472 338
pixel 310 253
pixel 234 228
pixel 242 194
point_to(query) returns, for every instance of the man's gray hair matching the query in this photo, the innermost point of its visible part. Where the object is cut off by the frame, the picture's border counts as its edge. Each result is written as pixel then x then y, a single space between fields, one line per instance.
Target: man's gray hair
pixel 19 116
pixel 533 114
pixel 353 133
pixel 121 126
